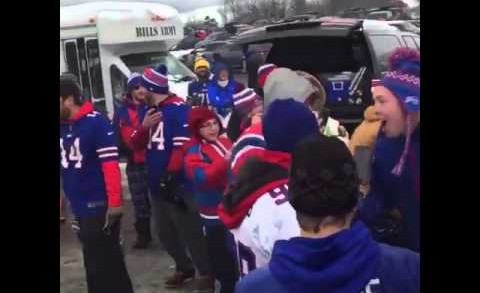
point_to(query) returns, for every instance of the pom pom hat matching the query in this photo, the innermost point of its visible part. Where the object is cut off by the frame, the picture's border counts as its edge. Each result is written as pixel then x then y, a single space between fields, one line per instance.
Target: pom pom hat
pixel 263 72
pixel 245 101
pixel 403 80
pixel 156 80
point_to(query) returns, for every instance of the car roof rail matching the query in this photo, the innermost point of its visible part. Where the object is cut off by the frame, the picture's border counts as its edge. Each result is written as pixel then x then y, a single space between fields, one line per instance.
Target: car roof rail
pixel 326 21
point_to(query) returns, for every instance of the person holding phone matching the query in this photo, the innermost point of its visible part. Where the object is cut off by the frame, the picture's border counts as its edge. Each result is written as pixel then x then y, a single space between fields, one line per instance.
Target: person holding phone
pixel 92 183
pixel 163 132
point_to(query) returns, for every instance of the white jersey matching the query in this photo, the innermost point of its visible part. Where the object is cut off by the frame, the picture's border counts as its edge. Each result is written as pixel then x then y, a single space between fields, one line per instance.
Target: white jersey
pixel 271 218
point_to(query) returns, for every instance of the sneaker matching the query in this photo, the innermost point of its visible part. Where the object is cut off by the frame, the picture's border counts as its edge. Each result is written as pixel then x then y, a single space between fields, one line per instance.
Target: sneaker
pixel 203 285
pixel 178 279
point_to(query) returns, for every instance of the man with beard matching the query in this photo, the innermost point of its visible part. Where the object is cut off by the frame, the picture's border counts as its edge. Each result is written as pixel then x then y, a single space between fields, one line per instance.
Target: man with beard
pixel 92 184
pixel 198 89
pixel 127 119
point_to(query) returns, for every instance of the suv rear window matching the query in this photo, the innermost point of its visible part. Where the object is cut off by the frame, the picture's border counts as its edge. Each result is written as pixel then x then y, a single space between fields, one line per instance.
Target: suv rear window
pixel 383 45
pixel 410 42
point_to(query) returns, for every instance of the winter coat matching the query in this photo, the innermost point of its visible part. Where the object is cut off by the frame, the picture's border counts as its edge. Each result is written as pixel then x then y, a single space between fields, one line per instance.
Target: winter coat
pixel 350 261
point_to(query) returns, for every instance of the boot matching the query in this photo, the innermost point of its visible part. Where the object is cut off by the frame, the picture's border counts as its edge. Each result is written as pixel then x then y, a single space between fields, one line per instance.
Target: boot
pixel 178 279
pixel 144 236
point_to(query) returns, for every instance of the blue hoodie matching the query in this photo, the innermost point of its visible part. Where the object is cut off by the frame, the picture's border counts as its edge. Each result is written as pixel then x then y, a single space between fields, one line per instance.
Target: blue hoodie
pixel 350 261
pixel 221 98
pixel 388 191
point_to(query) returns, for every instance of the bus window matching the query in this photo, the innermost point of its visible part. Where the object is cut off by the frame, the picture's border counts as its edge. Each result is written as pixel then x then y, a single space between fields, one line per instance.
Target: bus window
pixel 119 86
pixel 95 68
pixel 71 56
pixel 84 76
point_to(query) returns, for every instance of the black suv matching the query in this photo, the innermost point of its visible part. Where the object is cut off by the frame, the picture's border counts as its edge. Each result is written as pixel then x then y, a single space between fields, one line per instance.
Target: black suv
pixel 344 54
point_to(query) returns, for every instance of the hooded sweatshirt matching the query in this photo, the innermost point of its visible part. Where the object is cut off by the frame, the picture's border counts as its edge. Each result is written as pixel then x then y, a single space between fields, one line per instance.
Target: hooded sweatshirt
pixel 257 211
pixel 221 97
pixel 349 261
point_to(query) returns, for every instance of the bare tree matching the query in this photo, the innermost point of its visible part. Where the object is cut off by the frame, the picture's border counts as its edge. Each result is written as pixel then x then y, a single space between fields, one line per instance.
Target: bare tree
pixel 232 6
pixel 223 13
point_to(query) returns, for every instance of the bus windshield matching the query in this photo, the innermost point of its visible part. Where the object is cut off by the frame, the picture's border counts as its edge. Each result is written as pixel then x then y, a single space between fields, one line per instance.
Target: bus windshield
pixel 139 61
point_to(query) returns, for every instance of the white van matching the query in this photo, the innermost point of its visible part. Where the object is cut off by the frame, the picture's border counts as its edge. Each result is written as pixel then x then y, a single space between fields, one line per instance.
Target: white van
pixel 103 42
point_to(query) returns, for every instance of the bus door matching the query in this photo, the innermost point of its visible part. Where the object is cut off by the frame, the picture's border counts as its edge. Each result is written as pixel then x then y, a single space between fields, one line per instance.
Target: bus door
pixel 83 60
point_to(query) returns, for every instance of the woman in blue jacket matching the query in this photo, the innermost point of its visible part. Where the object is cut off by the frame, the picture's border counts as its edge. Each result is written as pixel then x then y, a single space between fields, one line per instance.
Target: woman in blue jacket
pixel 392 208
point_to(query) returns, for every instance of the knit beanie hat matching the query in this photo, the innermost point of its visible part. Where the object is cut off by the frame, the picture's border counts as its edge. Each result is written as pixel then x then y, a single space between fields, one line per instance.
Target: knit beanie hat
pixel 134 80
pixel 323 178
pixel 287 122
pixel 245 101
pixel 403 80
pixel 284 83
pixel 263 72
pixel 156 80
pixel 201 62
pixel 197 117
pixel 219 67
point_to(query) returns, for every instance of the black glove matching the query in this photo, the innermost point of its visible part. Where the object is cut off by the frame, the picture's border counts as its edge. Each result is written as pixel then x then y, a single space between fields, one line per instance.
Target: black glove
pixel 170 188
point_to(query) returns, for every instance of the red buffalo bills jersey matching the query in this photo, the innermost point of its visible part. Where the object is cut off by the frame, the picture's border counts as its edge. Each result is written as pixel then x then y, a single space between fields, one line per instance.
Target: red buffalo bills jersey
pixel 89 163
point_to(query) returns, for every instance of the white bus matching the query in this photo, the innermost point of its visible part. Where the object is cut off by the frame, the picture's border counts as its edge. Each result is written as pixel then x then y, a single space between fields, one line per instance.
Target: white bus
pixel 103 42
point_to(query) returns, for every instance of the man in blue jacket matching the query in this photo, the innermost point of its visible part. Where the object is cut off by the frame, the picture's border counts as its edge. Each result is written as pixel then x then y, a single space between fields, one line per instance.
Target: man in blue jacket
pixel 334 254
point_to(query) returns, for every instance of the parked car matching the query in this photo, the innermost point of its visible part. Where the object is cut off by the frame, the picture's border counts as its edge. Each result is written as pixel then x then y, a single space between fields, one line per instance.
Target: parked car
pixel 345 54
pixel 213 37
pixel 230 53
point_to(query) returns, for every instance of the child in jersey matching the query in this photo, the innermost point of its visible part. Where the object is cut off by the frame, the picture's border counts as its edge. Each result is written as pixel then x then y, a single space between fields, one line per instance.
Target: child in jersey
pixel 255 208
pixel 334 253
pixel 206 165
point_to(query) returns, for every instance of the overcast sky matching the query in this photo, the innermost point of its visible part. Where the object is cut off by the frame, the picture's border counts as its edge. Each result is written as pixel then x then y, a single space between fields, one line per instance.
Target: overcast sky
pixel 180 5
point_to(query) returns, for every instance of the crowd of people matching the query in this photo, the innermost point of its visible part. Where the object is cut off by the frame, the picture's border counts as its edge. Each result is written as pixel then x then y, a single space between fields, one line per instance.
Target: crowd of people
pixel 257 190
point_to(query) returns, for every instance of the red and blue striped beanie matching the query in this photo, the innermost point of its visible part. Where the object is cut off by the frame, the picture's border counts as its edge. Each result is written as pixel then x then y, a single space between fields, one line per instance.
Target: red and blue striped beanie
pixel 156 80
pixel 263 72
pixel 245 101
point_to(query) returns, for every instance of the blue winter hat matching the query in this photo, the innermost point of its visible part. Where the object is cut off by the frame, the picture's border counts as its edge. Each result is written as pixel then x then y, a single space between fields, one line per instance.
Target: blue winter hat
pixel 286 123
pixel 156 80
pixel 403 78
pixel 134 80
pixel 219 67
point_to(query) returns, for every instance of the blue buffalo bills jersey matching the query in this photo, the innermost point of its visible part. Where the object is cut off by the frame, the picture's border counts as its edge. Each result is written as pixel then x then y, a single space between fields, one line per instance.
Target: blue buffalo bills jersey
pixel 89 163
pixel 162 139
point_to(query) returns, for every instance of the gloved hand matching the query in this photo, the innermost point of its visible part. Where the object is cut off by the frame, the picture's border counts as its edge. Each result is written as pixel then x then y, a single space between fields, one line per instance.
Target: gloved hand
pixel 167 183
pixel 169 187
